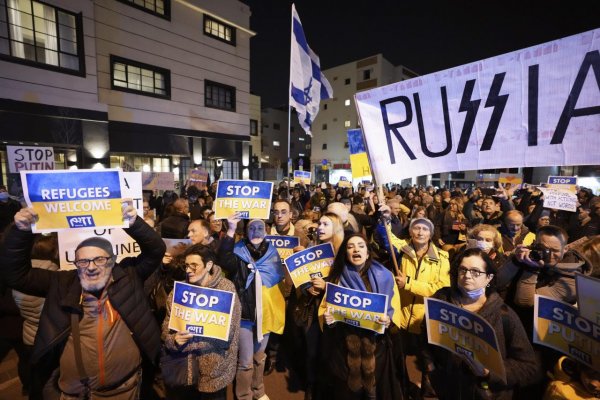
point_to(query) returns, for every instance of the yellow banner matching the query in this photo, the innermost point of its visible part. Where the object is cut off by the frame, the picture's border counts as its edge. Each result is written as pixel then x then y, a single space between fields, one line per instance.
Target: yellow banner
pixel 360 165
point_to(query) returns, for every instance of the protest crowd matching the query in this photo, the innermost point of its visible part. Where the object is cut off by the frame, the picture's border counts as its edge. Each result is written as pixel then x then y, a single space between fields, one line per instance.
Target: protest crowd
pixel 102 329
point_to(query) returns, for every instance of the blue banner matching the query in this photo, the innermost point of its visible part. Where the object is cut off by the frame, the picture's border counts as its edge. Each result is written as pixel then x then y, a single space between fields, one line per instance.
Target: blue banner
pixel 73 186
pixel 562 180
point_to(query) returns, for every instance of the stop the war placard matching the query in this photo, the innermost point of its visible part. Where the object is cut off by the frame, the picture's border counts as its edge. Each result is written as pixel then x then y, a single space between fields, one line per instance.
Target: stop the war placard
pixel 201 311
pixel 559 326
pixel 284 244
pixel 252 199
pixel 314 261
pixel 302 177
pixel 463 333
pixel 355 307
pixel 67 199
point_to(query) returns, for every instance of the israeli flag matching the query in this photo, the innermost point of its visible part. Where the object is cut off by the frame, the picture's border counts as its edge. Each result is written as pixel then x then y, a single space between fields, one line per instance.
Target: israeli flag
pixel 308 85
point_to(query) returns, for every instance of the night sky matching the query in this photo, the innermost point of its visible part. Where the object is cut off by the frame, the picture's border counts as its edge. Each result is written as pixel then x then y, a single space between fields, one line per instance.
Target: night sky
pixel 425 36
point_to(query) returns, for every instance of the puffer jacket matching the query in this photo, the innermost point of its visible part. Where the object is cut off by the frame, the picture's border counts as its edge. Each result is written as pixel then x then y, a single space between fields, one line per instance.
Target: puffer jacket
pixel 453 379
pixel 566 386
pixel 63 290
pixel 30 307
pixel 424 278
pixel 217 359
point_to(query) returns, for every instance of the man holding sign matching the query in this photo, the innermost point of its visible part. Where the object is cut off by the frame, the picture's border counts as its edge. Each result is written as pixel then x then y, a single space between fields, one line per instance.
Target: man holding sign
pixel 209 312
pixel 96 324
pixel 484 351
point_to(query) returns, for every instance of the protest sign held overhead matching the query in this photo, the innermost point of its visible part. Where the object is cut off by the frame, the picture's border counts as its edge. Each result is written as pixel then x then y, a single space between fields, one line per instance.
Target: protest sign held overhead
pixel 158 181
pixel 359 160
pixel 311 262
pixel 29 158
pixel 252 199
pixel 463 333
pixel 302 177
pixel 74 199
pixel 563 182
pixel 201 311
pixel 198 178
pixel 531 107
pixel 559 326
pixel 344 182
pixel 355 307
pixel 284 244
pixel 512 179
pixel 559 199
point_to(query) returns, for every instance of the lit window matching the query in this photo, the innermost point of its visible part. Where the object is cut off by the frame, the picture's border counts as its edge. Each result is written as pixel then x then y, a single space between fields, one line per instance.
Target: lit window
pixel 41 34
pixel 217 95
pixel 347 102
pixel 275 143
pixel 301 154
pixel 219 30
pixel 347 124
pixel 301 139
pixel 132 76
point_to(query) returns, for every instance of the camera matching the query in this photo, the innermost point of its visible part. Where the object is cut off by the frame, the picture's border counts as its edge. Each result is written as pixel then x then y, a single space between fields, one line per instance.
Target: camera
pixel 311 233
pixel 539 253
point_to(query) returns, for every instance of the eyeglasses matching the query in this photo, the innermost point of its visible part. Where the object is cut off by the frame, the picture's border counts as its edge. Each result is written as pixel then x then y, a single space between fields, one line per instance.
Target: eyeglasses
pixel 193 266
pixel 475 273
pixel 99 261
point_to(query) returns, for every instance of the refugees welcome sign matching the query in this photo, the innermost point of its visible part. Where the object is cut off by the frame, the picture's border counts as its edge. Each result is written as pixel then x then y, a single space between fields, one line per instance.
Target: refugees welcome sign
pixel 532 107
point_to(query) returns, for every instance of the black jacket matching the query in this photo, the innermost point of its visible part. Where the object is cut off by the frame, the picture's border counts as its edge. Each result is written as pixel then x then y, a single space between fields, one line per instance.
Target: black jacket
pixel 62 291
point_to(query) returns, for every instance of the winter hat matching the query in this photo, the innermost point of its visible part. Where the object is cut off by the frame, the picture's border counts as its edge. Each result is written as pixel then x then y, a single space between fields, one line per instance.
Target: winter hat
pixel 424 221
pixel 98 242
pixel 545 213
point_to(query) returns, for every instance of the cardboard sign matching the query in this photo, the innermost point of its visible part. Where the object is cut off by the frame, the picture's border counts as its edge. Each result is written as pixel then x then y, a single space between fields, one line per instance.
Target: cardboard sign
pixel 526 108
pixel 359 161
pixel 199 178
pixel 463 333
pixel 302 177
pixel 74 199
pixel 588 297
pixel 314 261
pixel 355 307
pixel 158 180
pixel 559 326
pixel 201 311
pixel 513 179
pixel 250 198
pixel 563 182
pixel 29 158
pixel 284 244
pixel 559 199
pixel 344 183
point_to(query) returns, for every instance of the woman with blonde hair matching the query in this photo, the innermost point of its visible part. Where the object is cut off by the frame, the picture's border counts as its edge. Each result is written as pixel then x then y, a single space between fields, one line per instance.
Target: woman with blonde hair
pixel 454 228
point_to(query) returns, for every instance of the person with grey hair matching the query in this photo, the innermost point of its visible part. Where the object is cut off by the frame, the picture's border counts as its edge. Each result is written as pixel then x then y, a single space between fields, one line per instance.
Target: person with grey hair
pixel 95 327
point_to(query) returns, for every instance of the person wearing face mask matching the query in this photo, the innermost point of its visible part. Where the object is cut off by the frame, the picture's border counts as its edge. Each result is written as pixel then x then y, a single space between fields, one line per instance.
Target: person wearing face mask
pixel 255 268
pixel 216 358
pixel 472 287
pixel 360 362
pixel 487 238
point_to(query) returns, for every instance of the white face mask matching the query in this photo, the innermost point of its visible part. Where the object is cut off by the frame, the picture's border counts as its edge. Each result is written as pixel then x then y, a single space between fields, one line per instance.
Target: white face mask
pixel 485 246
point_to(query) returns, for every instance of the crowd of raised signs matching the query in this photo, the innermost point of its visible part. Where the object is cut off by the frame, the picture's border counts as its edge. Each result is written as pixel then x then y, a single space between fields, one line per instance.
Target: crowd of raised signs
pixel 488 251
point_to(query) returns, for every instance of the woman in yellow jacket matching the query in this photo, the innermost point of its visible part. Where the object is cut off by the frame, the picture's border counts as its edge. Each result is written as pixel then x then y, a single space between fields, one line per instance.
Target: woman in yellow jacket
pixel 573 381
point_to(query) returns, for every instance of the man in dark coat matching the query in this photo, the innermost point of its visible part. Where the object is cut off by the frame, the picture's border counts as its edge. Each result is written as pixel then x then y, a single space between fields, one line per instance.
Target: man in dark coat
pixel 101 302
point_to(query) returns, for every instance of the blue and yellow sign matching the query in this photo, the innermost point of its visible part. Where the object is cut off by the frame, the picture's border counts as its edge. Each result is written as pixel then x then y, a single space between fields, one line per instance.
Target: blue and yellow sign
pixel 74 199
pixel 559 326
pixel 250 198
pixel 314 261
pixel 355 307
pixel 284 244
pixel 463 333
pixel 358 154
pixel 302 177
pixel 201 311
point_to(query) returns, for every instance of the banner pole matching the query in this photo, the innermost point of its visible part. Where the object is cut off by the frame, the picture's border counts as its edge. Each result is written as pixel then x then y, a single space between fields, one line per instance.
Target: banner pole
pixel 379 191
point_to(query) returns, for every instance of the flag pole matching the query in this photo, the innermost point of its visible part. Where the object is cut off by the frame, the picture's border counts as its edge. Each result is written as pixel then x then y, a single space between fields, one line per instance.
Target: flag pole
pixel 379 191
pixel 287 161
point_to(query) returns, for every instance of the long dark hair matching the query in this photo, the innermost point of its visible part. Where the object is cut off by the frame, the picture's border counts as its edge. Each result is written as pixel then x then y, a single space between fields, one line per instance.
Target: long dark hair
pixel 341 258
pixel 490 268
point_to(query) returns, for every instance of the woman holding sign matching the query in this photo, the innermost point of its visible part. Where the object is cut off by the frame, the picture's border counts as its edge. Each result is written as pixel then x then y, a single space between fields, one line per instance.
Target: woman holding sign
pixel 359 360
pixel 473 288
pixel 215 359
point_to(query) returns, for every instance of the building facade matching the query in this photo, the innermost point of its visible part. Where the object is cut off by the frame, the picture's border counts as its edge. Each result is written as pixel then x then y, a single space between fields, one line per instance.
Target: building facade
pixel 154 85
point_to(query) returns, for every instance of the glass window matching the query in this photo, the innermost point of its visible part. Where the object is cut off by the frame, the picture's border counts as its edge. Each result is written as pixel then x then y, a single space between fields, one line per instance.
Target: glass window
pixel 275 143
pixel 324 127
pixel 42 34
pixel 324 146
pixel 217 95
pixel 347 81
pixel 162 8
pixel 347 124
pixel 366 74
pixel 253 127
pixel 231 170
pixel 347 102
pixel 276 126
pixel 131 76
pixel 219 30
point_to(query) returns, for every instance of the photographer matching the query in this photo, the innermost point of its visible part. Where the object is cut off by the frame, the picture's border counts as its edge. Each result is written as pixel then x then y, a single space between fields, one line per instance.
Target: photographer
pixel 544 268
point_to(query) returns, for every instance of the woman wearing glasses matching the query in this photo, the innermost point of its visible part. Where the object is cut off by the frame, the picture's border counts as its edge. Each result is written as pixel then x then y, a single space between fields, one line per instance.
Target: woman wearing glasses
pixel 217 359
pixel 472 287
